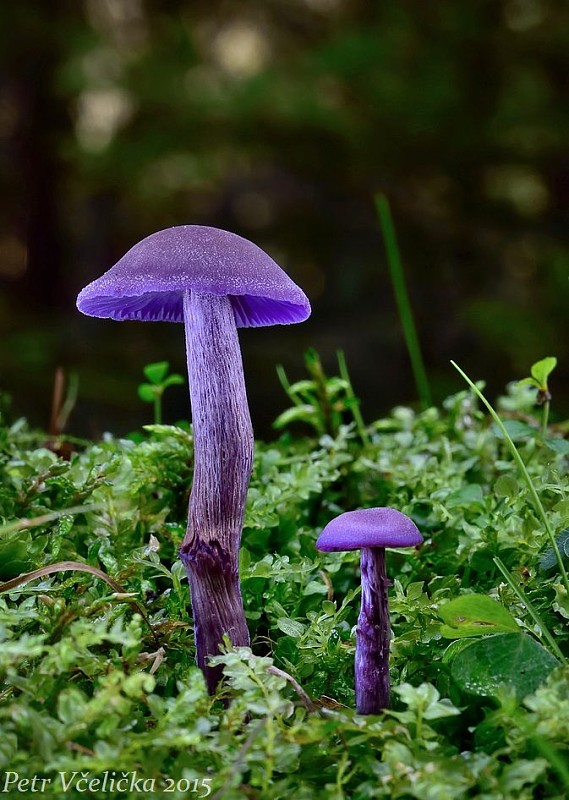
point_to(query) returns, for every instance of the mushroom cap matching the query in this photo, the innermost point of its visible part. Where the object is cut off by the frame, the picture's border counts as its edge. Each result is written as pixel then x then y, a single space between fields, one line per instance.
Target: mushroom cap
pixel 369 527
pixel 148 282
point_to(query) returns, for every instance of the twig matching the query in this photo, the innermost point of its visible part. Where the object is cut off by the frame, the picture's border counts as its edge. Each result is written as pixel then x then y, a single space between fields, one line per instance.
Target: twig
pixel 62 566
pixel 307 702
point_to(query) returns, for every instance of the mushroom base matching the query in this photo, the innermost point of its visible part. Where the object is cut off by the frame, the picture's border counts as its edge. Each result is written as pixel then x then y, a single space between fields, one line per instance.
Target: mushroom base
pixel 223 458
pixel 216 603
pixel 373 635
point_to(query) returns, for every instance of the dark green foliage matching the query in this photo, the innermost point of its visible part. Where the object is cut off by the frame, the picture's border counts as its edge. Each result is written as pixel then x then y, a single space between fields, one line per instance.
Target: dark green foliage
pixel 86 687
pixel 501 663
pixel 548 560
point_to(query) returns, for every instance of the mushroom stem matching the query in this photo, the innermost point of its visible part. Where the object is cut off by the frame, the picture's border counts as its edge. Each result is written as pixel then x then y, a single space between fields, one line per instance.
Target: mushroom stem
pixel 223 459
pixel 373 635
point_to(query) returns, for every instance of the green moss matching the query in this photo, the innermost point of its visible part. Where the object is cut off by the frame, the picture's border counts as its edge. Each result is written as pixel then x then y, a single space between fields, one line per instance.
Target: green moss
pixel 89 688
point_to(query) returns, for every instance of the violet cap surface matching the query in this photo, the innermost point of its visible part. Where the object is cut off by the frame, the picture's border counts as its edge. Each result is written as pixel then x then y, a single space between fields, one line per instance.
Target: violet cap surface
pixel 369 527
pixel 148 283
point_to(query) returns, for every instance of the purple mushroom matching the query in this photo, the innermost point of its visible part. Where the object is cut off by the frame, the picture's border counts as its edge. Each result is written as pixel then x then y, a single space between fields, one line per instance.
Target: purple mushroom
pixel 214 282
pixel 371 530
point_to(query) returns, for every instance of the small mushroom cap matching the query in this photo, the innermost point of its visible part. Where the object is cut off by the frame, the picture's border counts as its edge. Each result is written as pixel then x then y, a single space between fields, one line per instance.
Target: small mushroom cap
pixel 148 282
pixel 369 527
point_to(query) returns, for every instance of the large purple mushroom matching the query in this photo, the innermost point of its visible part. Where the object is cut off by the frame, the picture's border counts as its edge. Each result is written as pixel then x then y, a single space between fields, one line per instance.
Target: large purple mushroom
pixel 214 282
pixel 371 530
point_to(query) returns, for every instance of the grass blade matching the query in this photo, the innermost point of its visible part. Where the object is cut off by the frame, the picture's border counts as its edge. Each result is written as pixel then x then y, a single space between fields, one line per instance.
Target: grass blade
pixel 531 610
pixel 402 299
pixel 538 505
pixel 353 400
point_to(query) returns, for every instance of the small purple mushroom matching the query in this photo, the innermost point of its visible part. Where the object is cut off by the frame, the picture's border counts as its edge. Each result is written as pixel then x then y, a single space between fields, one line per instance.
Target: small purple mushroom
pixel 371 530
pixel 214 282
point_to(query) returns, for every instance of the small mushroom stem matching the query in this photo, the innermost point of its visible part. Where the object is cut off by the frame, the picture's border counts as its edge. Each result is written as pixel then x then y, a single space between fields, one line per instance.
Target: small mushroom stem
pixel 223 459
pixel 373 635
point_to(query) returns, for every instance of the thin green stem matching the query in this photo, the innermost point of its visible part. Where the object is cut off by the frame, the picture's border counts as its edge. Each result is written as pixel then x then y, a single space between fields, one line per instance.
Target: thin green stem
pixel 316 372
pixel 158 409
pixel 341 777
pixel 530 608
pixel 285 383
pixel 69 401
pixel 544 419
pixel 556 760
pixel 538 505
pixel 353 400
pixel 402 299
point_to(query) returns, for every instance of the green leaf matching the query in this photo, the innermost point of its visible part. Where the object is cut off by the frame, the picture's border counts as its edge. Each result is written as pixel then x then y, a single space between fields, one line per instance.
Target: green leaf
pixel 521 773
pixel 65 525
pixel 426 699
pixel 291 627
pixel 173 380
pixel 315 587
pixel 8 750
pixel 71 705
pixel 513 661
pixel 541 370
pixel 561 604
pixel 468 495
pixel 262 569
pixel 506 486
pixel 176 432
pixel 529 382
pixel 155 373
pixel 147 393
pixel 302 387
pixel 516 429
pixel 549 560
pixel 304 413
pixel 559 446
pixel 454 648
pixel 336 385
pixel 475 615
pixel 244 560
pixel 14 556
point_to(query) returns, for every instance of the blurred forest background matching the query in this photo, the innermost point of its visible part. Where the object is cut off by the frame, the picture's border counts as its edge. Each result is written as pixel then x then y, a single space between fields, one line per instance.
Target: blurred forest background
pixel 279 120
